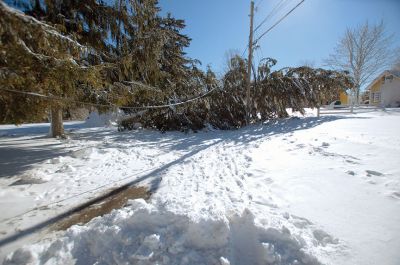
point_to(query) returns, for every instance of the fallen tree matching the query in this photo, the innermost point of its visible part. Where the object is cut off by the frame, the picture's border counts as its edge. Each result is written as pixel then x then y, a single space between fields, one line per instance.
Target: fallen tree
pixel 225 108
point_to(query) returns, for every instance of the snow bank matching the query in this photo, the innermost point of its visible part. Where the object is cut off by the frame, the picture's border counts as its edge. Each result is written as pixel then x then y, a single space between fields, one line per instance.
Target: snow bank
pixel 145 234
pixel 104 119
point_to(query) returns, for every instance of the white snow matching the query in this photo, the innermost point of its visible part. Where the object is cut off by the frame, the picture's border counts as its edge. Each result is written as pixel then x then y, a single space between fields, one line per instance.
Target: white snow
pixel 104 119
pixel 296 191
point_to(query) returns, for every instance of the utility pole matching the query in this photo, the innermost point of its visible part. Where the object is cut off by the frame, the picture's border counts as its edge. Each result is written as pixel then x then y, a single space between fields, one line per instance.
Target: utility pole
pixel 249 64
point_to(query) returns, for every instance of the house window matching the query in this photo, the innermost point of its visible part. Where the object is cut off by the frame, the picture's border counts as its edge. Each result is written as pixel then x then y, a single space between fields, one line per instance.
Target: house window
pixel 390 78
pixel 377 97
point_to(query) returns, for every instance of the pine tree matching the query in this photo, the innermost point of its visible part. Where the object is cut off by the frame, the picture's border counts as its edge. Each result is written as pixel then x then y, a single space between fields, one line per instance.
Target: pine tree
pixel 112 45
pixel 35 57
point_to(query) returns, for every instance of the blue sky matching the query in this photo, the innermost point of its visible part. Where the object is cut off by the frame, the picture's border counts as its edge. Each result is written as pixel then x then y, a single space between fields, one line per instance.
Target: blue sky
pixel 310 33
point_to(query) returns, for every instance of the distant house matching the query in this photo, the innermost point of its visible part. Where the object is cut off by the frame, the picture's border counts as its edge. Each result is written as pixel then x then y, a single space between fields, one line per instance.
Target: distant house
pixel 384 91
pixel 344 97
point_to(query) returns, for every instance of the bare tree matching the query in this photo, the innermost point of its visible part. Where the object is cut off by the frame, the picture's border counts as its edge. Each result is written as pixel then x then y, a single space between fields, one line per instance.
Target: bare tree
pixel 364 52
pixel 396 64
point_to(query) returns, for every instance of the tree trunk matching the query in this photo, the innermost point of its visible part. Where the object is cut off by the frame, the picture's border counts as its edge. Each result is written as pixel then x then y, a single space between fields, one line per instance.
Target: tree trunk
pixel 358 96
pixel 57 127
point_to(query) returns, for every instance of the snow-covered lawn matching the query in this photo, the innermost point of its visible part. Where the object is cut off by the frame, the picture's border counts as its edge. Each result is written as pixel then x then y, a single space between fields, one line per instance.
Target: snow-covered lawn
pixel 297 191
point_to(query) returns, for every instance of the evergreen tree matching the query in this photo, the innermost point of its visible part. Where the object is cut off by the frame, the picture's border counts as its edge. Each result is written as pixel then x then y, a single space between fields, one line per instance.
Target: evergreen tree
pixel 128 41
pixel 36 57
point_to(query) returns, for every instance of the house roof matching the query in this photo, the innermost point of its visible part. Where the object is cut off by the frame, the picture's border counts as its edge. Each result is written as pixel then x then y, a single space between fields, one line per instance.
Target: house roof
pixel 395 73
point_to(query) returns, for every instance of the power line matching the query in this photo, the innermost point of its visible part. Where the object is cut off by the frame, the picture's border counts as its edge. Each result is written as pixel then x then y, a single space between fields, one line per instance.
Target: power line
pixel 245 50
pixel 277 7
pixel 55 98
pixel 259 57
pixel 258 4
pixel 262 54
pixel 282 18
pixel 273 12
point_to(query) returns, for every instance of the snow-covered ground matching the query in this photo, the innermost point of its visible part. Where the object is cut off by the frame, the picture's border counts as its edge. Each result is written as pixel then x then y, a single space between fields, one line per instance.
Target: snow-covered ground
pixel 297 191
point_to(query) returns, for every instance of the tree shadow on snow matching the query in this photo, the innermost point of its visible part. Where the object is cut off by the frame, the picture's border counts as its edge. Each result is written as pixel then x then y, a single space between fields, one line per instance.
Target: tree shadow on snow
pixel 192 143
pixel 178 141
pixel 35 129
pixel 282 126
pixel 16 159
pixel 154 177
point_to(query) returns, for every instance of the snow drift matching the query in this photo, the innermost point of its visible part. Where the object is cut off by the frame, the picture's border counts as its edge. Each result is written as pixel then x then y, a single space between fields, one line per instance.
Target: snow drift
pixel 143 234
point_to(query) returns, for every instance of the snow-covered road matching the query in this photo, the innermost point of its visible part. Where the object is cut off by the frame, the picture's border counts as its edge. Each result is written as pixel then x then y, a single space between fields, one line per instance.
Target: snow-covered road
pixel 298 191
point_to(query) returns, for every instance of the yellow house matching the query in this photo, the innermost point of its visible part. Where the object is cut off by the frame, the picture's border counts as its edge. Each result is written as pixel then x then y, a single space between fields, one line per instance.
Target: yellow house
pixel 385 89
pixel 374 92
pixel 344 98
pixel 341 96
